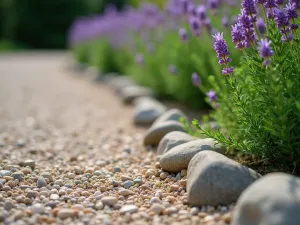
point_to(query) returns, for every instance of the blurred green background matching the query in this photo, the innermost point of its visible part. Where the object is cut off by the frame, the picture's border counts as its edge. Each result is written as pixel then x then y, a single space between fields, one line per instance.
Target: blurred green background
pixel 43 24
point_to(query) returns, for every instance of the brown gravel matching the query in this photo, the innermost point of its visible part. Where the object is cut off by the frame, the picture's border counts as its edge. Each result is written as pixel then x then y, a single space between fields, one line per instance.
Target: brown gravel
pixel 72 154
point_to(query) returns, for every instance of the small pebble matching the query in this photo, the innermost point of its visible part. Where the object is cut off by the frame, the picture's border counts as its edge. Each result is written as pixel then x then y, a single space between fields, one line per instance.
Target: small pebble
pixel 65 213
pixel 109 200
pixel 128 184
pixel 41 182
pixel 157 208
pixel 128 209
pixel 37 208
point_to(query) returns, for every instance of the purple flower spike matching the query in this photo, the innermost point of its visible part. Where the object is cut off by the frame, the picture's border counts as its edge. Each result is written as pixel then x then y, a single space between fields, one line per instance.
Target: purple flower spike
pixel 249 8
pixel 259 2
pixel 195 26
pixel 223 53
pixel 279 2
pixel 225 21
pixel 265 50
pixel 227 70
pixel 201 12
pixel 183 34
pixel 196 79
pixel 221 47
pixel 139 58
pixel 269 4
pixel 237 36
pixel 296 2
pixel 291 11
pixel 213 4
pixel 261 26
pixel 212 96
pixel 192 10
pixel 281 18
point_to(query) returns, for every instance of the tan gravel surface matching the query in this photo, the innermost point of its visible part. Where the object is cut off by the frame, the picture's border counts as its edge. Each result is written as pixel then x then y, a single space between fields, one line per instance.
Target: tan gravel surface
pixel 70 154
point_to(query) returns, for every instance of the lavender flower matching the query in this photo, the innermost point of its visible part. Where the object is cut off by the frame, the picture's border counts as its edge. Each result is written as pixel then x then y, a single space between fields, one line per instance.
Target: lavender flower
pixel 196 79
pixel 195 25
pixel 269 4
pixel 291 11
pixel 184 6
pixel 183 34
pixel 259 2
pixel 281 18
pixel 227 70
pixel 296 2
pixel 139 58
pixel 237 36
pixel 192 10
pixel 172 69
pixel 265 50
pixel 279 2
pixel 249 8
pixel 201 12
pixel 212 96
pixel 248 29
pixel 225 21
pixel 213 4
pixel 283 24
pixel 261 26
pixel 222 51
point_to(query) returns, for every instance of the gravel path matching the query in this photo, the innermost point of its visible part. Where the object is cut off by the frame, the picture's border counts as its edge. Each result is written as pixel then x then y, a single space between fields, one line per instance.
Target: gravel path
pixel 69 153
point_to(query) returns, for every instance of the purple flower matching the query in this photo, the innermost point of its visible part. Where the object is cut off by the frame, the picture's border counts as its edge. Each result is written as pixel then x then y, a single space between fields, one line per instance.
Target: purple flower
pixel 259 2
pixel 201 12
pixel 237 34
pixel 195 25
pixel 265 50
pixel 227 70
pixel 212 96
pixel 261 26
pixel 248 29
pixel 213 4
pixel 221 48
pixel 291 11
pixel 279 2
pixel 207 24
pixel 225 21
pixel 139 58
pixel 192 10
pixel 172 69
pixel 281 18
pixel 223 53
pixel 183 34
pixel 184 6
pixel 269 4
pixel 196 79
pixel 296 2
pixel 249 8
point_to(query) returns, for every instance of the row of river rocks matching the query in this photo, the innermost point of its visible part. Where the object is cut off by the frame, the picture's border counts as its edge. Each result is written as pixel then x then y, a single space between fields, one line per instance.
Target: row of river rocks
pixel 212 178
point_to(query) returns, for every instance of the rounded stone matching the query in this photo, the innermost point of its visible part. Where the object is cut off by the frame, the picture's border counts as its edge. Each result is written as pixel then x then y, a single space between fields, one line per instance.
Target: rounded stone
pixel 147 110
pixel 170 115
pixel 173 139
pixel 18 175
pixel 128 209
pixel 65 213
pixel 109 200
pixel 41 182
pixel 155 133
pixel 178 158
pixel 213 179
pixel 273 199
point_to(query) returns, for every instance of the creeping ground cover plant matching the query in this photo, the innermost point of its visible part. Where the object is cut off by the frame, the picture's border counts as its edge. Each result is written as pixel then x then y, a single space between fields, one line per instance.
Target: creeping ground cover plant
pixel 259 110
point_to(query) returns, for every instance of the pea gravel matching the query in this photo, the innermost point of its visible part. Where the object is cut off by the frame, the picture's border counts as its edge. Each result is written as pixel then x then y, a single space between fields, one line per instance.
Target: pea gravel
pixel 70 153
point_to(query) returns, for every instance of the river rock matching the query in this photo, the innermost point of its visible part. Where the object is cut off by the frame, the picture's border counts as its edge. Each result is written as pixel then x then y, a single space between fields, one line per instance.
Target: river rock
pixel 173 139
pixel 178 158
pixel 118 82
pixel 155 133
pixel 273 199
pixel 213 179
pixel 130 93
pixel 147 110
pixel 171 115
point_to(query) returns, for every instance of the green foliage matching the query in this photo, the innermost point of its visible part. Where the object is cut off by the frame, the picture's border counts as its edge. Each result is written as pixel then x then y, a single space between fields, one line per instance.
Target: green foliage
pixel 259 110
